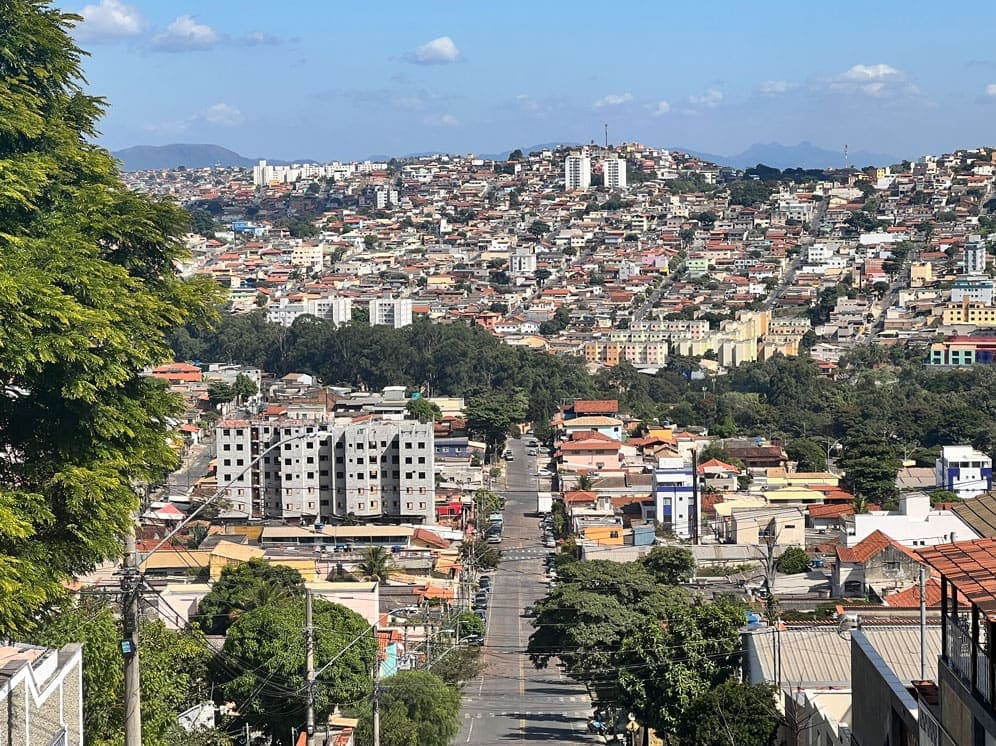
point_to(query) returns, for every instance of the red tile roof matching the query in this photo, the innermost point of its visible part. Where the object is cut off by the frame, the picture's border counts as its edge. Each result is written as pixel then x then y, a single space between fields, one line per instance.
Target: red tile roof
pixel 971 567
pixel 869 546
pixel 596 406
pixel 830 510
pixel 910 598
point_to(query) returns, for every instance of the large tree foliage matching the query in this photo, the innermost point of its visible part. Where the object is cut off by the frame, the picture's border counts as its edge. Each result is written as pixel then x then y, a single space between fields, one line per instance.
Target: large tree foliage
pixel 666 664
pixel 418 708
pixel 244 587
pixel 267 680
pixel 670 565
pixel 491 416
pixel 732 713
pixel 87 291
pixel 173 669
pixel 629 638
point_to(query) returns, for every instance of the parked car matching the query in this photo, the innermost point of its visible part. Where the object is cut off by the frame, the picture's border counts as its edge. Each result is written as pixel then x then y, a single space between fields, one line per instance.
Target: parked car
pixel 481 614
pixel 543 473
pixel 473 640
pixel 484 582
pixel 407 611
pixel 529 611
pixel 494 539
pixel 532 452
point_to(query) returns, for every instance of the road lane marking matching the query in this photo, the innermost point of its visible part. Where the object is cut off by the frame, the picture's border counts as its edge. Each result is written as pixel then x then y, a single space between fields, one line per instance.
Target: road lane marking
pixel 470 732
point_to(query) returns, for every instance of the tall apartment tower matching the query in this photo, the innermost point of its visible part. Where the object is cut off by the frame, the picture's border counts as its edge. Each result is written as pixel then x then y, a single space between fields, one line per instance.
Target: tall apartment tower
pixel 975 255
pixel 577 172
pixel 381 470
pixel 262 174
pixel 614 173
pixel 396 312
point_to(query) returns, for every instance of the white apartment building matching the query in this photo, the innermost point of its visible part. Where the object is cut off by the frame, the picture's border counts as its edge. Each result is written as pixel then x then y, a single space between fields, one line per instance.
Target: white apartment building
pixel 377 470
pixel 964 471
pixel 577 172
pixel 614 173
pixel 337 310
pixel 522 262
pixel 396 312
pixel 308 255
pixel 975 255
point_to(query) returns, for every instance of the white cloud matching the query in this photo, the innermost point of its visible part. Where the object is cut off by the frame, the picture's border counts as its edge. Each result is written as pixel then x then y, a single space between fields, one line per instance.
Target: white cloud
pixel 185 34
pixel 218 115
pixel 260 39
pixel 613 99
pixel 439 51
pixel 775 87
pixel 991 89
pixel 224 115
pixel 442 120
pixel 110 20
pixel 710 99
pixel 876 81
pixel 662 108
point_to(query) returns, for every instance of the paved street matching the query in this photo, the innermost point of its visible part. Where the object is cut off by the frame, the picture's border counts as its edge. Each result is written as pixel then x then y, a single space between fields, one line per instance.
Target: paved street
pixel 512 701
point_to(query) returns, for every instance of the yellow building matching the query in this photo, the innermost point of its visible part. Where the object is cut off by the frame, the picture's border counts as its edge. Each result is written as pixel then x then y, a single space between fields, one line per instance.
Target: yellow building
pixel 606 536
pixel 967 312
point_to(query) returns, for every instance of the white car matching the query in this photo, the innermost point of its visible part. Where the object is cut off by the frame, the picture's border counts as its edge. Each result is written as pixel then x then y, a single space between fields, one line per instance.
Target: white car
pixel 544 473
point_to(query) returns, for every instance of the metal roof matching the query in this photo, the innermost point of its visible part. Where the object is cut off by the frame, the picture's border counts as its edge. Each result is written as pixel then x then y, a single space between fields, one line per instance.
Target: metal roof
pixel 821 656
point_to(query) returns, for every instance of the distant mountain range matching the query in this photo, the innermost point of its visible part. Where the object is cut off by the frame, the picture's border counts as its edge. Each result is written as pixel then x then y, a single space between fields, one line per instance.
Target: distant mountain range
pixel 803 155
pixel 156 157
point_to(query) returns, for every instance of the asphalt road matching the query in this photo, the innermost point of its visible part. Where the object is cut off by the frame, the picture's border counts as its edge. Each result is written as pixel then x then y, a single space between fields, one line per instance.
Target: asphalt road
pixel 512 702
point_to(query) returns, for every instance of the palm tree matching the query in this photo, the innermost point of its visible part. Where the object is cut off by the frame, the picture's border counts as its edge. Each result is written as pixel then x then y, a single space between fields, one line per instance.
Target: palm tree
pixel 376 563
pixel 585 483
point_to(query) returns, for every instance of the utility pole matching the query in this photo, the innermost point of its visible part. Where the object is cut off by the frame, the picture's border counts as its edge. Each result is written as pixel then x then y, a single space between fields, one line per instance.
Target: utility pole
pixel 376 690
pixel 923 623
pixel 693 512
pixel 309 642
pixel 130 605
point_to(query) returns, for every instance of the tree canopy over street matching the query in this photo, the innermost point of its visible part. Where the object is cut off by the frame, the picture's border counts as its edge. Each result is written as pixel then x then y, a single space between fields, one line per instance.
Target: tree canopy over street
pixel 269 679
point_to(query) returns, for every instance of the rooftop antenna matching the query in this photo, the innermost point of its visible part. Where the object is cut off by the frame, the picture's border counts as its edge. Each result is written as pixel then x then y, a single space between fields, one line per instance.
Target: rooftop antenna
pixel 606 135
pixel 845 156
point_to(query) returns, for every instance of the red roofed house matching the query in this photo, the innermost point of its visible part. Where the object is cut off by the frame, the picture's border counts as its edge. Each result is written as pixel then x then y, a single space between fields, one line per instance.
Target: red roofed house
pixel 585 407
pixel 719 476
pixel 589 450
pixel 178 373
pixel 876 565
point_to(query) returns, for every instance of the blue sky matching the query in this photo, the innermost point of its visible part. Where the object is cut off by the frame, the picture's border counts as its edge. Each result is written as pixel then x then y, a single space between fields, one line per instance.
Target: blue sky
pixel 320 79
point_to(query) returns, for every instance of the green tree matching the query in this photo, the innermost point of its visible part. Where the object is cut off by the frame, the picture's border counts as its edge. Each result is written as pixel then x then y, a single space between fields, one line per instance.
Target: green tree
pixel 174 671
pixel 244 387
pixel 491 416
pixel 93 623
pixel 423 410
pixel 539 228
pixel 268 677
pixel 418 708
pixel 515 155
pixel 88 290
pixel 938 497
pixel 732 713
pixel 482 555
pixel 542 275
pixel 793 561
pixel 665 668
pixel 201 221
pixel 470 624
pixel 220 392
pixel 375 563
pixel 670 565
pixel 245 587
pixel 808 454
pixel 870 465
